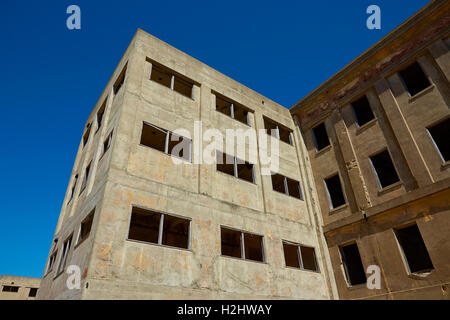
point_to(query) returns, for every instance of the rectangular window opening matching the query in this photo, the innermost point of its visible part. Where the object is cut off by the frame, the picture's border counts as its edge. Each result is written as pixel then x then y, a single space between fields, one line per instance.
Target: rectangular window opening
pixel 120 80
pixel 245 171
pixel 241 244
pixel 86 177
pixel 183 87
pixel 294 188
pixel 440 133
pixel 33 292
pixel 176 232
pixel 335 193
pixel 253 245
pixel 320 136
pixel 161 76
pixel 291 255
pixel 174 82
pixel 231 243
pixel 100 114
pixel 414 78
pixel 107 143
pixel 232 109
pixel 384 169
pixel 362 111
pixel 287 186
pixel 179 146
pixel 86 136
pixel 72 191
pixel 414 249
pixel 277 130
pixel 51 262
pixel 86 226
pixel 65 254
pixel 10 289
pixel 309 261
pixel 354 269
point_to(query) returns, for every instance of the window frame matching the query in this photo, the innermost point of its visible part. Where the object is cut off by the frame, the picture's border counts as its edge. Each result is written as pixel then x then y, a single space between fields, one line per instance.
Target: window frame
pixel 67 246
pixel 277 132
pixel 232 107
pixel 173 76
pixel 235 168
pixel 79 240
pixel 286 187
pixel 242 244
pixel 299 256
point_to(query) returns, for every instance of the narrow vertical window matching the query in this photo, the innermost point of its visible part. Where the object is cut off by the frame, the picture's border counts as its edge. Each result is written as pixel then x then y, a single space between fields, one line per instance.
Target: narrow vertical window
pixel 100 115
pixel 107 143
pixel 362 111
pixel 320 137
pixel 65 254
pixel 334 191
pixel 120 80
pixel 85 227
pixel 414 78
pixel 86 177
pixel 440 134
pixel 72 191
pixel 384 169
pixel 353 267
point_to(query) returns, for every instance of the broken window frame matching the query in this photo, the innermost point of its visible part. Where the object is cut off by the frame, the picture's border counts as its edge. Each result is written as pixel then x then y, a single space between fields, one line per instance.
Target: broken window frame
pixel 330 202
pixel 168 134
pixel 407 261
pixel 444 161
pixel 65 253
pixel 345 265
pixel 286 186
pixel 404 81
pixel 277 130
pixel 161 228
pixel 355 113
pixel 236 161
pixel 300 256
pixel 242 244
pixel 51 261
pixel 375 171
pixel 315 137
pixel 233 105
pixel 174 76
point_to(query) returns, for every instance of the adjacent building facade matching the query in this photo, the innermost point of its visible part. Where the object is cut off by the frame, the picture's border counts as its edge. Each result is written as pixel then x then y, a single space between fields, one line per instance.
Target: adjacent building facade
pixel 362 180
pixel 18 288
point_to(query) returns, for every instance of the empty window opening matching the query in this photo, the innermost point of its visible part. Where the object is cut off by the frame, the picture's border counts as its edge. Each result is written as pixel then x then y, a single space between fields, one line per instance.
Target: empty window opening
pixel 440 134
pixel 72 191
pixel 85 227
pixel 287 186
pixel 168 79
pixel 414 78
pixel 86 177
pixel 10 289
pixel 362 111
pixel 100 114
pixel 414 249
pixel 159 228
pixel 33 292
pixel 86 136
pixel 320 136
pixel 298 256
pixel 107 143
pixel 384 169
pixel 166 141
pixel 334 190
pixel 120 80
pixel 232 110
pixel 234 167
pixel 242 245
pixel 277 130
pixel 65 254
pixel 51 262
pixel 353 267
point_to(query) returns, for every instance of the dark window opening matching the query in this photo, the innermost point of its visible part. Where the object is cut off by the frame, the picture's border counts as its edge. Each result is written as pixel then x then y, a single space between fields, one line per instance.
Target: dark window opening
pixel 320 136
pixel 51 261
pixel 86 136
pixel 362 111
pixel 440 134
pixel 159 228
pixel 335 193
pixel 384 169
pixel 72 192
pixel 278 131
pixel 308 256
pixel 414 249
pixel 65 254
pixel 232 110
pixel 291 255
pixel 86 177
pixel 168 79
pixel 100 114
pixel 120 80
pixel 242 245
pixel 301 257
pixel 107 143
pixel 86 226
pixel 354 269
pixel 234 167
pixel 253 245
pixel 414 78
pixel 33 292
pixel 287 186
pixel 10 289
pixel 166 141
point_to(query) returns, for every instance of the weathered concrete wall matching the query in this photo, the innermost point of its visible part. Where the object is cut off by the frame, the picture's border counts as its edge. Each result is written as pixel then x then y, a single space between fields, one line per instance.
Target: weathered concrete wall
pixel 24 284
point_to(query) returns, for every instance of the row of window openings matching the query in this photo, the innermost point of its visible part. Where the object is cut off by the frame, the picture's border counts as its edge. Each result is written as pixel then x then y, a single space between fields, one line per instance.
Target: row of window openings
pixel 168 230
pixel 412 246
pixel 165 141
pixel 85 229
pixel 414 80
pixel 105 148
pixel 14 289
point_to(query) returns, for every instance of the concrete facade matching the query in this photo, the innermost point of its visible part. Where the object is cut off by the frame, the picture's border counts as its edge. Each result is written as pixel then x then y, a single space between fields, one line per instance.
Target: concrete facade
pixel 129 174
pixel 371 214
pixel 18 288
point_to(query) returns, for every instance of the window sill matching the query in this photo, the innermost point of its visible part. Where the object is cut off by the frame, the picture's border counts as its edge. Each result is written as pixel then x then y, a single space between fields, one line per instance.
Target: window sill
pixel 290 197
pixel 159 84
pixel 337 209
pixel 323 150
pixel 357 286
pixel 421 93
pixel 300 269
pixel 445 165
pixel 365 126
pixel 229 117
pixel 169 155
pixel 420 275
pixel 390 188
pixel 239 179
pixel 289 144
pixel 242 259
pixel 159 245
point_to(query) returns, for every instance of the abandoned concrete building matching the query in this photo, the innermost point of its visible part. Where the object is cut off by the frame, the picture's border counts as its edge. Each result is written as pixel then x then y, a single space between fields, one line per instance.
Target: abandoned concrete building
pixel 18 288
pixel 363 180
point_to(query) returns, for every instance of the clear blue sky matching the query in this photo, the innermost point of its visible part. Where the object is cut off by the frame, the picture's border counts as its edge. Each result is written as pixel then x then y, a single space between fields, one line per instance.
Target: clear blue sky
pixel 52 77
